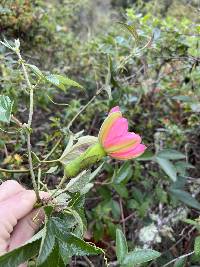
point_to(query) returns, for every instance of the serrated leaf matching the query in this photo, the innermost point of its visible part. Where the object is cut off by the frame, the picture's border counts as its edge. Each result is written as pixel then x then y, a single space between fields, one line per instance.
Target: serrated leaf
pixel 55 81
pixel 79 247
pixel 20 255
pixel 61 81
pixel 186 198
pixel 5 108
pixel 63 248
pixel 78 183
pixel 78 219
pixel 67 81
pixel 168 168
pixel 54 259
pixel 140 256
pixel 36 70
pixel 121 246
pixel 170 154
pixel 76 245
pixel 197 246
pixel 48 242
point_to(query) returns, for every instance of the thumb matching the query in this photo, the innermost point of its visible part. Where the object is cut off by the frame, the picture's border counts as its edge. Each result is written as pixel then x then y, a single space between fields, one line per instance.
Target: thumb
pixel 26 228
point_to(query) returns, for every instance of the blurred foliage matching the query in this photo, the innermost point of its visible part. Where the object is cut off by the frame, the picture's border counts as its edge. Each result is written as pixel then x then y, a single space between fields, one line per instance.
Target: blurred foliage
pixel 149 64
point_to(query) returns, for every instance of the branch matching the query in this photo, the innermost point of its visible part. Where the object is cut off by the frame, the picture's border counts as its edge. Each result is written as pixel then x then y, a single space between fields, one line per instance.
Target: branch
pixel 29 123
pixel 14 171
pixel 178 258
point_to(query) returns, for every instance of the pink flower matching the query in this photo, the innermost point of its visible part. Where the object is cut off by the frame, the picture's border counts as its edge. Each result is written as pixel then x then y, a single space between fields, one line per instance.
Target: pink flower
pixel 116 140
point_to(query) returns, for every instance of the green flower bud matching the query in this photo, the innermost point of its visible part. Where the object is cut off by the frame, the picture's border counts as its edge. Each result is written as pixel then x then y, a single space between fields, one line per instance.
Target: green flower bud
pixel 92 155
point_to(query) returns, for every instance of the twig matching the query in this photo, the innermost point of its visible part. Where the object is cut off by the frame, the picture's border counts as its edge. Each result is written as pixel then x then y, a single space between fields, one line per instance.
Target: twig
pixel 84 107
pixel 29 123
pixel 88 261
pixel 53 149
pixel 14 171
pixel 178 258
pixel 122 215
pixel 14 119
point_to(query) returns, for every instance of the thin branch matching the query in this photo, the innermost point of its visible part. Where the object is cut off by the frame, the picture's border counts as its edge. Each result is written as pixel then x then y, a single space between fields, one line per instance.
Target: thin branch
pixel 122 215
pixel 14 171
pixel 178 258
pixel 29 123
pixel 53 149
pixel 83 108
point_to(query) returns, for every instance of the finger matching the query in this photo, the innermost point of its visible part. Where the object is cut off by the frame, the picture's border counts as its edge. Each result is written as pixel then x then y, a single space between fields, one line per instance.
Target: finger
pixel 26 228
pixel 18 205
pixel 10 188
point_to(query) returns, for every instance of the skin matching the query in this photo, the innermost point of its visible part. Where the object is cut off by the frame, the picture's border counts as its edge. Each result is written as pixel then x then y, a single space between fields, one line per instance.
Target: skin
pixel 18 220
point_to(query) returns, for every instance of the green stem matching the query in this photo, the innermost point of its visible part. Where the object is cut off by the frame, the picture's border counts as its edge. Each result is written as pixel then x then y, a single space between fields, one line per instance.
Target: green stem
pixel 29 125
pixel 14 171
pixel 83 108
pixel 53 149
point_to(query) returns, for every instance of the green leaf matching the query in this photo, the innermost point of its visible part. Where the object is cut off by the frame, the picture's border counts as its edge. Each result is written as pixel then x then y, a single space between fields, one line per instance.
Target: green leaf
pixel 121 190
pixel 140 256
pixel 197 246
pixel 78 219
pixel 79 247
pixel 36 70
pixel 170 154
pixel 61 81
pixel 20 255
pixel 48 242
pixel 76 246
pixel 121 246
pixel 146 156
pixel 5 108
pixel 78 183
pixel 186 198
pixel 64 252
pixel 168 168
pixel 54 259
pixel 180 263
pixel 52 169
pixel 124 172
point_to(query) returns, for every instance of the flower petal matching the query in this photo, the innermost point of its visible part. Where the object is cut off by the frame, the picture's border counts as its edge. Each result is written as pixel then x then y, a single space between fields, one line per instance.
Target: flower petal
pixel 129 154
pixel 107 124
pixel 119 128
pixel 122 142
pixel 115 109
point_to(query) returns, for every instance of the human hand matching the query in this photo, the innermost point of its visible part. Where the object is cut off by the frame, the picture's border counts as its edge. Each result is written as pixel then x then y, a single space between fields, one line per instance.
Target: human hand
pixel 18 220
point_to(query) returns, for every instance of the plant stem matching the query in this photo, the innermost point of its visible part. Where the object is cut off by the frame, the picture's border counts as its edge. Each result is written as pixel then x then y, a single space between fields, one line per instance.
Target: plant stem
pixel 50 161
pixel 14 171
pixel 53 149
pixel 178 258
pixel 84 107
pixel 29 124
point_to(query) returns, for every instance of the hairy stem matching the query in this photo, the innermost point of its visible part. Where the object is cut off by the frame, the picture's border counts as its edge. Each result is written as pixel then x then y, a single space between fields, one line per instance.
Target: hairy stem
pixel 14 171
pixel 29 124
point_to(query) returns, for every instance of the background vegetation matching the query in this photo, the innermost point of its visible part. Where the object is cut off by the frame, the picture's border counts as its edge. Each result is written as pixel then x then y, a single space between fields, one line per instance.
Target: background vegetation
pixel 151 70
